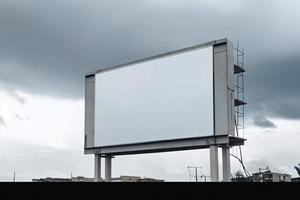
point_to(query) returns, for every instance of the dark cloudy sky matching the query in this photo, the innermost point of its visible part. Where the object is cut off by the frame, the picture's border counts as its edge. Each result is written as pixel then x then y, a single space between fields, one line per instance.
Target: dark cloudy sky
pixel 47 46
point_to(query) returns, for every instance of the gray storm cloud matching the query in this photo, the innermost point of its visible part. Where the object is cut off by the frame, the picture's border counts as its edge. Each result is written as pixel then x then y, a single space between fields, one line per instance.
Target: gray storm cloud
pixel 263 122
pixel 47 47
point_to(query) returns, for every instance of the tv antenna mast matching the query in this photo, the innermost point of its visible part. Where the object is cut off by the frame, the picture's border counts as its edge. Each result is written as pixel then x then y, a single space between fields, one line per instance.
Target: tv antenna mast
pixel 196 172
pixel 14 179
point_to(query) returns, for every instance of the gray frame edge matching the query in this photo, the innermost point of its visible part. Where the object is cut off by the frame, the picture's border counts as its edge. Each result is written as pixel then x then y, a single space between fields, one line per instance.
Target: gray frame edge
pixel 89 112
pixel 104 69
pixel 223 89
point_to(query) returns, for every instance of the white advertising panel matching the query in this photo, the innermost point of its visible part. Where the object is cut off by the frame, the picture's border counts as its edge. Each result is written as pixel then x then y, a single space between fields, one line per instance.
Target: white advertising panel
pixel 162 99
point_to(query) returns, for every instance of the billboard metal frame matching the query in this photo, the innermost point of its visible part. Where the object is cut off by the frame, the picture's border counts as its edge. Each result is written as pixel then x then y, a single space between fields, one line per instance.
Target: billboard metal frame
pixel 223 115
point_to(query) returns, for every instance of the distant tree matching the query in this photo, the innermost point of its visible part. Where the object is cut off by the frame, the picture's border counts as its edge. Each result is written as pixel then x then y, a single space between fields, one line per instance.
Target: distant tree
pixel 239 174
pixel 298 169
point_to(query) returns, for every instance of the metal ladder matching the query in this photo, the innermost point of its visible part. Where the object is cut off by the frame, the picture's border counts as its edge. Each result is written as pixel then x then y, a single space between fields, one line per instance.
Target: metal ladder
pixel 239 101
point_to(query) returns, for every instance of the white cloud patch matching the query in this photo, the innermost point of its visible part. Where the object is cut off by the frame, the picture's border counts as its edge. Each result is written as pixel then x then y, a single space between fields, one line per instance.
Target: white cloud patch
pixel 2 122
pixel 51 144
pixel 278 147
pixel 53 123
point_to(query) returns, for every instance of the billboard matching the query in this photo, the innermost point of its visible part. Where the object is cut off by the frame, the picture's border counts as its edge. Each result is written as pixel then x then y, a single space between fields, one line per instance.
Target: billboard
pixel 166 98
pixel 171 96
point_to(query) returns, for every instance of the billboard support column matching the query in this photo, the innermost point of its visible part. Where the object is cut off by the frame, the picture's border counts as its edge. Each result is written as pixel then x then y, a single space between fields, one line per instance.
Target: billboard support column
pixel 97 167
pixel 108 169
pixel 214 163
pixel 226 164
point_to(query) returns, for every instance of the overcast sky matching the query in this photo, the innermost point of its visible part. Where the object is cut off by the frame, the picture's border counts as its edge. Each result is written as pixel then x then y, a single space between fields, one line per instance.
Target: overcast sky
pixel 46 47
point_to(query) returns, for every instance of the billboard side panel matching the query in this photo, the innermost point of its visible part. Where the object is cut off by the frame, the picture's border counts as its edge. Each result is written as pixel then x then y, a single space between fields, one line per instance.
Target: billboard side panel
pixel 89 128
pixel 223 89
pixel 220 90
pixel 230 88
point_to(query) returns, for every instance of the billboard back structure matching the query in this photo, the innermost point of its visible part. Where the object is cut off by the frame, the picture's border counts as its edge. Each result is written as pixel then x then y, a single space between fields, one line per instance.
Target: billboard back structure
pixel 173 101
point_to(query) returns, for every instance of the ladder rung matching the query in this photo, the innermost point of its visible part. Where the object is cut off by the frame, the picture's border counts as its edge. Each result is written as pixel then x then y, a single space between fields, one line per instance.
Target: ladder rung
pixel 238 87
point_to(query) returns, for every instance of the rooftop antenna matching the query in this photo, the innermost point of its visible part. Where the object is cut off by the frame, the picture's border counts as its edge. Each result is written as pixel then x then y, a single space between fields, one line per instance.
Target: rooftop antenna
pixel 190 175
pixel 263 169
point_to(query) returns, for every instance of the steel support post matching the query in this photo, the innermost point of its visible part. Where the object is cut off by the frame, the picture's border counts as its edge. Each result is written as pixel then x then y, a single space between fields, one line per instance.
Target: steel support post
pixel 108 169
pixel 226 164
pixel 97 169
pixel 214 163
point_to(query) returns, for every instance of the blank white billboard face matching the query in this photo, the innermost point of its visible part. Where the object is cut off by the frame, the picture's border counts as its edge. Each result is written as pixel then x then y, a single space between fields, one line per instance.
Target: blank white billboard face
pixel 166 98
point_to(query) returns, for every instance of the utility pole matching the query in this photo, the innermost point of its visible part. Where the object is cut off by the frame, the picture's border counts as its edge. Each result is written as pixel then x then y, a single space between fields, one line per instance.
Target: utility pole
pixel 204 177
pixel 196 174
pixel 196 171
pixel 14 179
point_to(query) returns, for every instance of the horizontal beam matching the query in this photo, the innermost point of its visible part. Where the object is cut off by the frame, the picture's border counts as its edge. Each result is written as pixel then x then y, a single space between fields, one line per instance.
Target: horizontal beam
pixel 166 146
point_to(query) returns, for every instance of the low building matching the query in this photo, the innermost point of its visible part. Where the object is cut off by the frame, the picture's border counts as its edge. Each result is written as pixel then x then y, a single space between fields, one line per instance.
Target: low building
pixel 135 179
pixel 72 179
pixel 242 179
pixel 125 179
pixel 268 176
pixel 85 179
pixel 297 179
pixel 82 179
pixel 49 179
pixel 145 179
